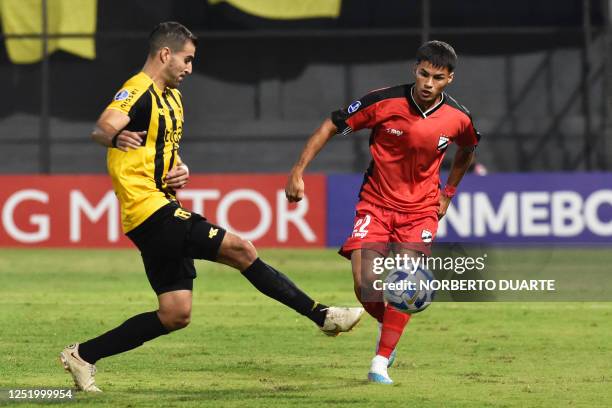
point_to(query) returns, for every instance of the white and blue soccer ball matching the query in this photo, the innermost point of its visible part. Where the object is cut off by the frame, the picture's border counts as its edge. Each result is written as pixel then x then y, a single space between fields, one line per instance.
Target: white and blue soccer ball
pixel 407 292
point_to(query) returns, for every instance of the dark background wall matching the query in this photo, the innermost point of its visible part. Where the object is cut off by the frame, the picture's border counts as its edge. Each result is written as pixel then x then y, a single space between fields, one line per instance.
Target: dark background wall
pixel 260 87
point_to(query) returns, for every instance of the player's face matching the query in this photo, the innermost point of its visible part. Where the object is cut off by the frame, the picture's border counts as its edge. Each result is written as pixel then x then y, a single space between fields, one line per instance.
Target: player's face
pixel 430 82
pixel 180 65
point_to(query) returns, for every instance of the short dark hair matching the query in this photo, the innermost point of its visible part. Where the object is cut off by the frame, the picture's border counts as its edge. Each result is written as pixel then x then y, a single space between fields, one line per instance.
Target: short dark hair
pixel 170 34
pixel 438 54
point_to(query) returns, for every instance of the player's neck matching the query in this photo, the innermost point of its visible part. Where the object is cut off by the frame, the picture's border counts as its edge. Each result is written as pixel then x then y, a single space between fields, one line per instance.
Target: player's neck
pixel 155 74
pixel 423 105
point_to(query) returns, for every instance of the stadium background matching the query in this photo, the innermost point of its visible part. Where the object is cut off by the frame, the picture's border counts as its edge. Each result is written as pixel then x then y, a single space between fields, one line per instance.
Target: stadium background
pixel 536 81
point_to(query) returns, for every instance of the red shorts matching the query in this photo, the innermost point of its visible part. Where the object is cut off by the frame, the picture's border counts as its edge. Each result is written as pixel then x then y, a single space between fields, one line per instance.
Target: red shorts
pixel 376 227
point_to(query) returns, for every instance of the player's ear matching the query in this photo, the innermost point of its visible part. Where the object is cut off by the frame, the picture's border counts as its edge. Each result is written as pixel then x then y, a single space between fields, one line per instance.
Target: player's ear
pixel 164 54
pixel 451 76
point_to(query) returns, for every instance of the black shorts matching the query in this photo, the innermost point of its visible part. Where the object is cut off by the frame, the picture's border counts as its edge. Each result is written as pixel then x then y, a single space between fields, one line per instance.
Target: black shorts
pixel 169 240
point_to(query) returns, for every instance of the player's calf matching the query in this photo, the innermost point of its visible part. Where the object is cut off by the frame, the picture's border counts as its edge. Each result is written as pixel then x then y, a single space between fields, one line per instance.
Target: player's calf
pixel 363 283
pixel 242 255
pixel 370 299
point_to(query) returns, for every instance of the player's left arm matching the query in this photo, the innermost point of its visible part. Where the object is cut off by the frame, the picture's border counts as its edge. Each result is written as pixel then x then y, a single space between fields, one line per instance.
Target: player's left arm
pixel 461 163
pixel 466 141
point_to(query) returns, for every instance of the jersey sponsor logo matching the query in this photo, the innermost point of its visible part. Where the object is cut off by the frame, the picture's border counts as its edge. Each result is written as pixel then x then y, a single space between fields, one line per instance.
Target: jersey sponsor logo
pixel 182 214
pixel 121 95
pixel 354 107
pixel 212 232
pixel 442 143
pixel 173 135
pixel 395 132
pixel 426 236
pixel 360 230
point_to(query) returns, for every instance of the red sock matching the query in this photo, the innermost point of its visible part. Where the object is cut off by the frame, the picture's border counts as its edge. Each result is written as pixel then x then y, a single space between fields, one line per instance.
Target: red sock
pixel 394 322
pixel 375 309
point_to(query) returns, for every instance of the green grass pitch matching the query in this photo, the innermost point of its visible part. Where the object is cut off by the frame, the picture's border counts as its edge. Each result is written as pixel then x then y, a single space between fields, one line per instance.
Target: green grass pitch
pixel 243 349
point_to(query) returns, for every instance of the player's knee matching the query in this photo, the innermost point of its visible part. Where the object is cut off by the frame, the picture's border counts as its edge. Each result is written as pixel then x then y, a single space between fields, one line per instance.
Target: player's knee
pixel 363 292
pixel 357 286
pixel 250 252
pixel 357 290
pixel 175 319
pixel 245 252
pixel 181 321
pixel 237 252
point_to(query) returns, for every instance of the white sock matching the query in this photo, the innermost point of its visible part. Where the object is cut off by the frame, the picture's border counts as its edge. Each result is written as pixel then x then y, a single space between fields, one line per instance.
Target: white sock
pixel 379 365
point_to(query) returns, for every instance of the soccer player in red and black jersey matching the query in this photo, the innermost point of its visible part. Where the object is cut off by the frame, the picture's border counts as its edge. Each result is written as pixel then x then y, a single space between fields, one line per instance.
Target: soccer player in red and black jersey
pixel 400 201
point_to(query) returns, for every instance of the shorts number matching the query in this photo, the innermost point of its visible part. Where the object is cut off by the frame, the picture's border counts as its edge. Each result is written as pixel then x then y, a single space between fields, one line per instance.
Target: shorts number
pixel 360 229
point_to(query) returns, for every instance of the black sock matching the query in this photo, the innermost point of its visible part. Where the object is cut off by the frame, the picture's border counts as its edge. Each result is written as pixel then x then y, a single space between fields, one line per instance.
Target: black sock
pixel 274 284
pixel 129 335
pixel 317 313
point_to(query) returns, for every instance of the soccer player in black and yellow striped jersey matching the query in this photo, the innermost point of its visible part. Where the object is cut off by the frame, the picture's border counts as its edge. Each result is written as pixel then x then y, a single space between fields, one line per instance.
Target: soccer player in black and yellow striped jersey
pixel 142 128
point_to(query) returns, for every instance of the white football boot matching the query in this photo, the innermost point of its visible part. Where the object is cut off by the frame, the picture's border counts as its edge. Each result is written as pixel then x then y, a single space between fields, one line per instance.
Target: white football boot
pixel 341 319
pixel 393 353
pixel 82 372
pixel 378 371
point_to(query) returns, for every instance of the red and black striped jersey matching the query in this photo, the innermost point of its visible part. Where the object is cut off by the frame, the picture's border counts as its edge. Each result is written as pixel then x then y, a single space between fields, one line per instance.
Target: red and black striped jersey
pixel 407 145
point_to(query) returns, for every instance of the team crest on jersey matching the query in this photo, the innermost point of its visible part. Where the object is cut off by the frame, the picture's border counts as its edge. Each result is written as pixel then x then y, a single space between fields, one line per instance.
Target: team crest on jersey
pixel 442 143
pixel 426 236
pixel 354 107
pixel 121 95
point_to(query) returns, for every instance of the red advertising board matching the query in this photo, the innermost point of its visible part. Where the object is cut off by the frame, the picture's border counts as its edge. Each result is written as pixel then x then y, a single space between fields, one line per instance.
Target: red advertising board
pixel 82 211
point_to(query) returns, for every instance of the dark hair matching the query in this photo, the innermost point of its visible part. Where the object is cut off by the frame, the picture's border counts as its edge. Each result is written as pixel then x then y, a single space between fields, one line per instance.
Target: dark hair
pixel 438 54
pixel 170 34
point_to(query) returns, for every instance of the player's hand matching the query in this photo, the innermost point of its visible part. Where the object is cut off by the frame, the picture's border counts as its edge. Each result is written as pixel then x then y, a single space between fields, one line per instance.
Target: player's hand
pixel 127 140
pixel 294 190
pixel 177 177
pixel 443 205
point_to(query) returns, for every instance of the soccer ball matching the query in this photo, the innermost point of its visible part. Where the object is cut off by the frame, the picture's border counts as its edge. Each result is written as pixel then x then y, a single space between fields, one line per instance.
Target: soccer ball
pixel 405 291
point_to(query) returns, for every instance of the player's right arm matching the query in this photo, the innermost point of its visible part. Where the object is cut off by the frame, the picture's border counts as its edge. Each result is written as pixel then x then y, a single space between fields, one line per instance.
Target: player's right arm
pixel 124 122
pixel 110 131
pixel 360 114
pixel 294 190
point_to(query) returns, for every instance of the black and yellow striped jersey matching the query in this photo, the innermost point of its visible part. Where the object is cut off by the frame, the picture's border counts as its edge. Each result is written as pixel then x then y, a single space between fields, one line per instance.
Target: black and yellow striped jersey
pixel 138 174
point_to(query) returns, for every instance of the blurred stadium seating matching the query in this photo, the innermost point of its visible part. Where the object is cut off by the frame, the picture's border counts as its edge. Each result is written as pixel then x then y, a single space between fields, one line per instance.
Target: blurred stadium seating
pixel 532 73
